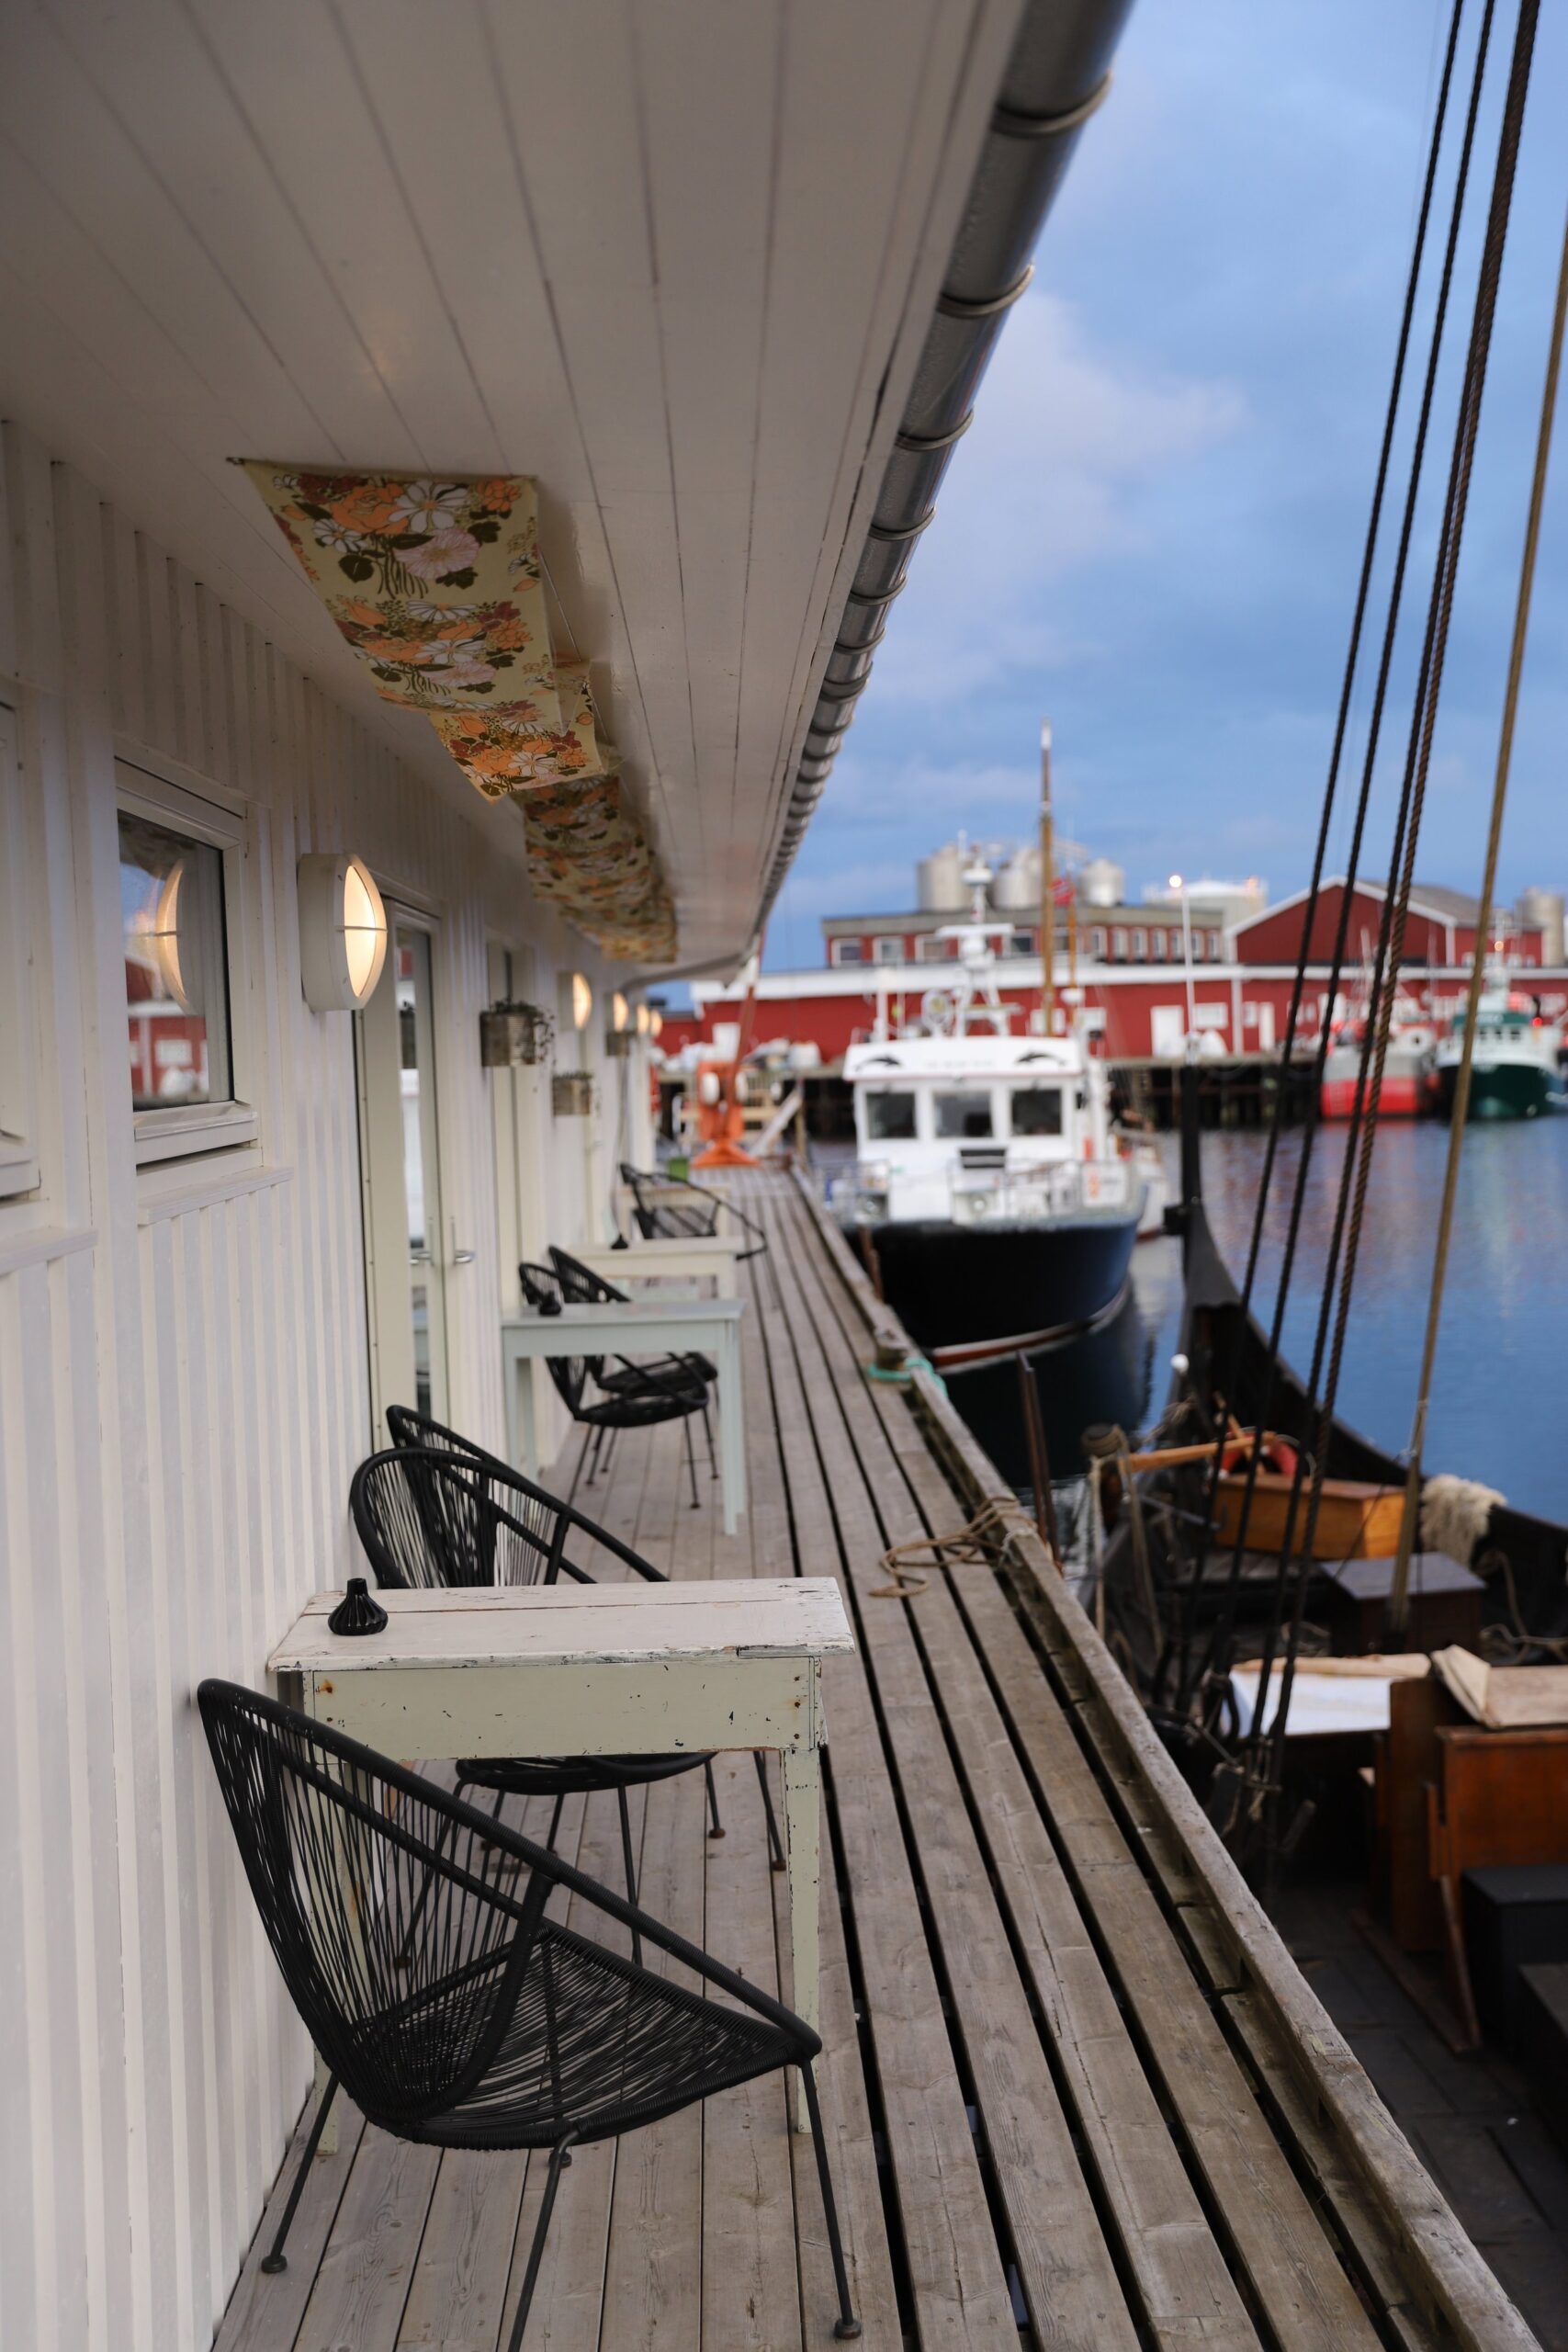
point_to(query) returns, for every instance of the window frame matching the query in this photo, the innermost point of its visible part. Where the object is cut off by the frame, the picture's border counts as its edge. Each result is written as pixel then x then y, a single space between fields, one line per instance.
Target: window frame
pixel 22 1171
pixel 1096 941
pixel 941 1094
pixel 886 947
pixel 188 1129
pixel 837 954
pixel 1118 943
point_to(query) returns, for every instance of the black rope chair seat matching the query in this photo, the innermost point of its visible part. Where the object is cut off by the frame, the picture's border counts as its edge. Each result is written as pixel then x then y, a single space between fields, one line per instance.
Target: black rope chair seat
pixel 642 1395
pixel 553 1776
pixel 436 1990
pixel 659 1218
pixel 580 1286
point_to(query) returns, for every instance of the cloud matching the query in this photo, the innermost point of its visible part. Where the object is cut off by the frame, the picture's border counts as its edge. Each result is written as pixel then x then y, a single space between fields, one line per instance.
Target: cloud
pixel 1068 442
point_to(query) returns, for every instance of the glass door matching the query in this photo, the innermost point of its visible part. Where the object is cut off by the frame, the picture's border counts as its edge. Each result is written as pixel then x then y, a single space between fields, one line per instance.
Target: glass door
pixel 401 1167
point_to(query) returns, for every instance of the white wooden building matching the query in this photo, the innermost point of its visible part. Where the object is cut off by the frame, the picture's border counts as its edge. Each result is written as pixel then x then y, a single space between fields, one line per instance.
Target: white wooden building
pixel 678 264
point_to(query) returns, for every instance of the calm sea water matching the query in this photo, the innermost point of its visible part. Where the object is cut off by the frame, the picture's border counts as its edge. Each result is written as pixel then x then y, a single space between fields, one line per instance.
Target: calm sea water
pixel 1499 1407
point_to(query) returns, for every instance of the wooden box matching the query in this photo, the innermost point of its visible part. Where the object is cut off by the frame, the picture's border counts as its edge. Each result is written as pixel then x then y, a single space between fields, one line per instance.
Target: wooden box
pixel 1445 1605
pixel 1355 1522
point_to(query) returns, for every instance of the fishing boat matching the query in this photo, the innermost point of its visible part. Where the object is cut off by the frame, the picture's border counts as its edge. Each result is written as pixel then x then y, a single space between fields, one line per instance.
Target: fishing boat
pixel 991 1193
pixel 1408 1065
pixel 1514 1070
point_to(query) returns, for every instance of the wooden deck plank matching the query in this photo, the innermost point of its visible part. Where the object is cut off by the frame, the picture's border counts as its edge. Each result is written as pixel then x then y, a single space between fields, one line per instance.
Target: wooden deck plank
pixel 1068 2275
pixel 957 2276
pixel 366 2269
pixel 1293 2271
pixel 264 2313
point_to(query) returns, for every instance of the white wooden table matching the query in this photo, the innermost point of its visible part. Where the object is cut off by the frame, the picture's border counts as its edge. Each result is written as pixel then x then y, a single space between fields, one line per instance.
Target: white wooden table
pixel 595 1670
pixel 650 1327
pixel 700 1257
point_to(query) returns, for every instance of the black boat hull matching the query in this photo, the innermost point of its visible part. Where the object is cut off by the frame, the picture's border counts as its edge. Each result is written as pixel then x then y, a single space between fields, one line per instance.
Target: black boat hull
pixel 955 1286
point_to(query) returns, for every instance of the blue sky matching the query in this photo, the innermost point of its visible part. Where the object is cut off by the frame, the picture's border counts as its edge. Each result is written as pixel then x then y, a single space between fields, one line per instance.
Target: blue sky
pixel 1153 529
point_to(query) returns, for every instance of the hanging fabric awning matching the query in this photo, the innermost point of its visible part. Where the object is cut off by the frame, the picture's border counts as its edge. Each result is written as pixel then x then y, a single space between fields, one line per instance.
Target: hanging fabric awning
pixel 437 586
pixel 587 857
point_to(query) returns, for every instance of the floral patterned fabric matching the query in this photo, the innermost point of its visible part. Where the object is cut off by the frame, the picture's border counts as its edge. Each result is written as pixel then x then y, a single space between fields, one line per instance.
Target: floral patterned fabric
pixel 588 856
pixel 504 752
pixel 435 584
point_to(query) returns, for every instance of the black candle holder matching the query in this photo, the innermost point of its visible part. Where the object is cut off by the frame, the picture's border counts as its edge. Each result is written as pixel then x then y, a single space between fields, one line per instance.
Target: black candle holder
pixel 358 1611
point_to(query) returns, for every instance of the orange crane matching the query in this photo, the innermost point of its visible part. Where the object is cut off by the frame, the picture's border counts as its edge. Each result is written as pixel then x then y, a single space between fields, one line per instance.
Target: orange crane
pixel 721 1120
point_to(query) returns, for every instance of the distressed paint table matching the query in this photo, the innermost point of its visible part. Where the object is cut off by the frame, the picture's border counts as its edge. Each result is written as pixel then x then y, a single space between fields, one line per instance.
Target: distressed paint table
pixel 595 1669
pixel 698 1256
pixel 651 1327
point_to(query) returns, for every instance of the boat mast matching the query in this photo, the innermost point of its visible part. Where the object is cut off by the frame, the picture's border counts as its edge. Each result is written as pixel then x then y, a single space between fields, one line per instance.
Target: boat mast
pixel 1047 890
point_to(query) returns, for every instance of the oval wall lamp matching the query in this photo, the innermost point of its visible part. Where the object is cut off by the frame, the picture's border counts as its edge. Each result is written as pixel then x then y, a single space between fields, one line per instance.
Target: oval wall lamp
pixel 643 1020
pixel 343 931
pixel 618 1038
pixel 582 1001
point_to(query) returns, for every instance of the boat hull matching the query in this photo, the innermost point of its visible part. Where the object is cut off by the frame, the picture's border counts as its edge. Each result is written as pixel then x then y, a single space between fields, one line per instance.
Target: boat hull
pixel 956 1285
pixel 1519 1089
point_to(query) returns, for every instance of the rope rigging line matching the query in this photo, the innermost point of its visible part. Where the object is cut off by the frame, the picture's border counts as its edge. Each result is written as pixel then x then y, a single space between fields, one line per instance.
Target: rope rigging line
pixel 1222 1634
pixel 1351 1203
pixel 1460 1110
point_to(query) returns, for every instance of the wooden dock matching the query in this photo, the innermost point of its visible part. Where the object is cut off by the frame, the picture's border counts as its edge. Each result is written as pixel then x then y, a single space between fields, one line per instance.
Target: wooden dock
pixel 1078 2095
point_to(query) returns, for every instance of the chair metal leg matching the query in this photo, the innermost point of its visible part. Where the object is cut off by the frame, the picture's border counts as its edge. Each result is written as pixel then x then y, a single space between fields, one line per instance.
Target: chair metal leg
pixel 848 2326
pixel 630 1869
pixel 691 1458
pixel 716 1827
pixel 610 1451
pixel 582 1458
pixel 707 1432
pixel 276 2260
pixel 560 2156
pixel 555 1823
pixel 775 1843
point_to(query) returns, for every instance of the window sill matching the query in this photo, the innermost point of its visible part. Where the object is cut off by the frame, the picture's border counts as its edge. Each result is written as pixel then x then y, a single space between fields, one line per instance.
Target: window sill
pixel 204 1127
pixel 176 1190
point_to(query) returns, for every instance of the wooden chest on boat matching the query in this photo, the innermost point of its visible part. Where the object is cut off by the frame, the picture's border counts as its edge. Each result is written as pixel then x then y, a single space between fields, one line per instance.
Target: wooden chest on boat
pixel 1445 1605
pixel 1355 1521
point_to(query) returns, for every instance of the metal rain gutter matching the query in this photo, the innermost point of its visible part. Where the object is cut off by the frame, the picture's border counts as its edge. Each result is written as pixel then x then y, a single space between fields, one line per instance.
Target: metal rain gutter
pixel 1057 75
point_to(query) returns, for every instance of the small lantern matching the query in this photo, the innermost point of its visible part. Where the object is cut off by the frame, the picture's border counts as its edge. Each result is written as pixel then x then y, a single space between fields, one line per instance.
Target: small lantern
pixel 513 1035
pixel 571 1094
pixel 343 932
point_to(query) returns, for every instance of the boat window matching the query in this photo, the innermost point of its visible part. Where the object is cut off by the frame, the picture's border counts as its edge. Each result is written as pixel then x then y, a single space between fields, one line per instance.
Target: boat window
pixel 1097 944
pixel 963 1116
pixel 887 948
pixel 890 1116
pixel 1037 1111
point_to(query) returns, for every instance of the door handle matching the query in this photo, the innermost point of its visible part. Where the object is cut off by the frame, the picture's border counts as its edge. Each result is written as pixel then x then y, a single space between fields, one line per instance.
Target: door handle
pixel 464 1256
pixel 420 1258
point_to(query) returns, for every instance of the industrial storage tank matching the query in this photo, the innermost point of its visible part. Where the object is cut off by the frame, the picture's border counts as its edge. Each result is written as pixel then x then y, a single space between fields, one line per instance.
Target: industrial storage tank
pixel 1542 910
pixel 938 880
pixel 1015 886
pixel 1102 884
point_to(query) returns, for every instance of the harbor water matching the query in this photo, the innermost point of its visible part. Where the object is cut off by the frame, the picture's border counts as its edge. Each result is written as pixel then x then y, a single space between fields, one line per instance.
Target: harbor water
pixel 1498 1408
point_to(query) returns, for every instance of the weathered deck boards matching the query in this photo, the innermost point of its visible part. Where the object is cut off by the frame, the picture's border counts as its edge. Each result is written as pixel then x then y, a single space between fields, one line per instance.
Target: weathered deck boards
pixel 1059 2115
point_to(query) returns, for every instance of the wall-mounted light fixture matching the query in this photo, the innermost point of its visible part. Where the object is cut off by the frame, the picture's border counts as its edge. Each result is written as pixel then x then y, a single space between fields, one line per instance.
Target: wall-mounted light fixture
pixel 618 1036
pixel 643 1018
pixel 582 1001
pixel 343 931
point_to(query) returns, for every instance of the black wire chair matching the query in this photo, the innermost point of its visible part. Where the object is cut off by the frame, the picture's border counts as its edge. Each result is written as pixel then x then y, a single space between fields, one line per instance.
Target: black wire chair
pixel 456 2012
pixel 643 1396
pixel 580 1286
pixel 659 1218
pixel 435 1510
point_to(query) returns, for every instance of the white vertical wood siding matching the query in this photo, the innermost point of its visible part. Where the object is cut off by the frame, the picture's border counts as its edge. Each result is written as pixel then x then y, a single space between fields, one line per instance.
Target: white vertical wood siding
pixel 183 1396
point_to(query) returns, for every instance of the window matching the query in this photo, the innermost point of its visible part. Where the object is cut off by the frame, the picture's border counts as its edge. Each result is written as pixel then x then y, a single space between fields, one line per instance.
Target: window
pixel 886 949
pixel 1140 946
pixel 1157 945
pixel 179 872
pixel 890 1117
pixel 1216 946
pixel 1037 1111
pixel 964 1117
pixel 1097 943
pixel 18 1128
pixel 1118 946
pixel 931 948
pixel 1022 944
pixel 846 951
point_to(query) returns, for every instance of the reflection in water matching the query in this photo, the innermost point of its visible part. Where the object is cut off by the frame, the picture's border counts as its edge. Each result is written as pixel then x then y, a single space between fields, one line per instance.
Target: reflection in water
pixel 1497 1402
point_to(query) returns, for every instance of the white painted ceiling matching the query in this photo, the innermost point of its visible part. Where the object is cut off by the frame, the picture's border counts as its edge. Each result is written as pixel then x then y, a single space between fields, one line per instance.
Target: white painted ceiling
pixel 674 257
